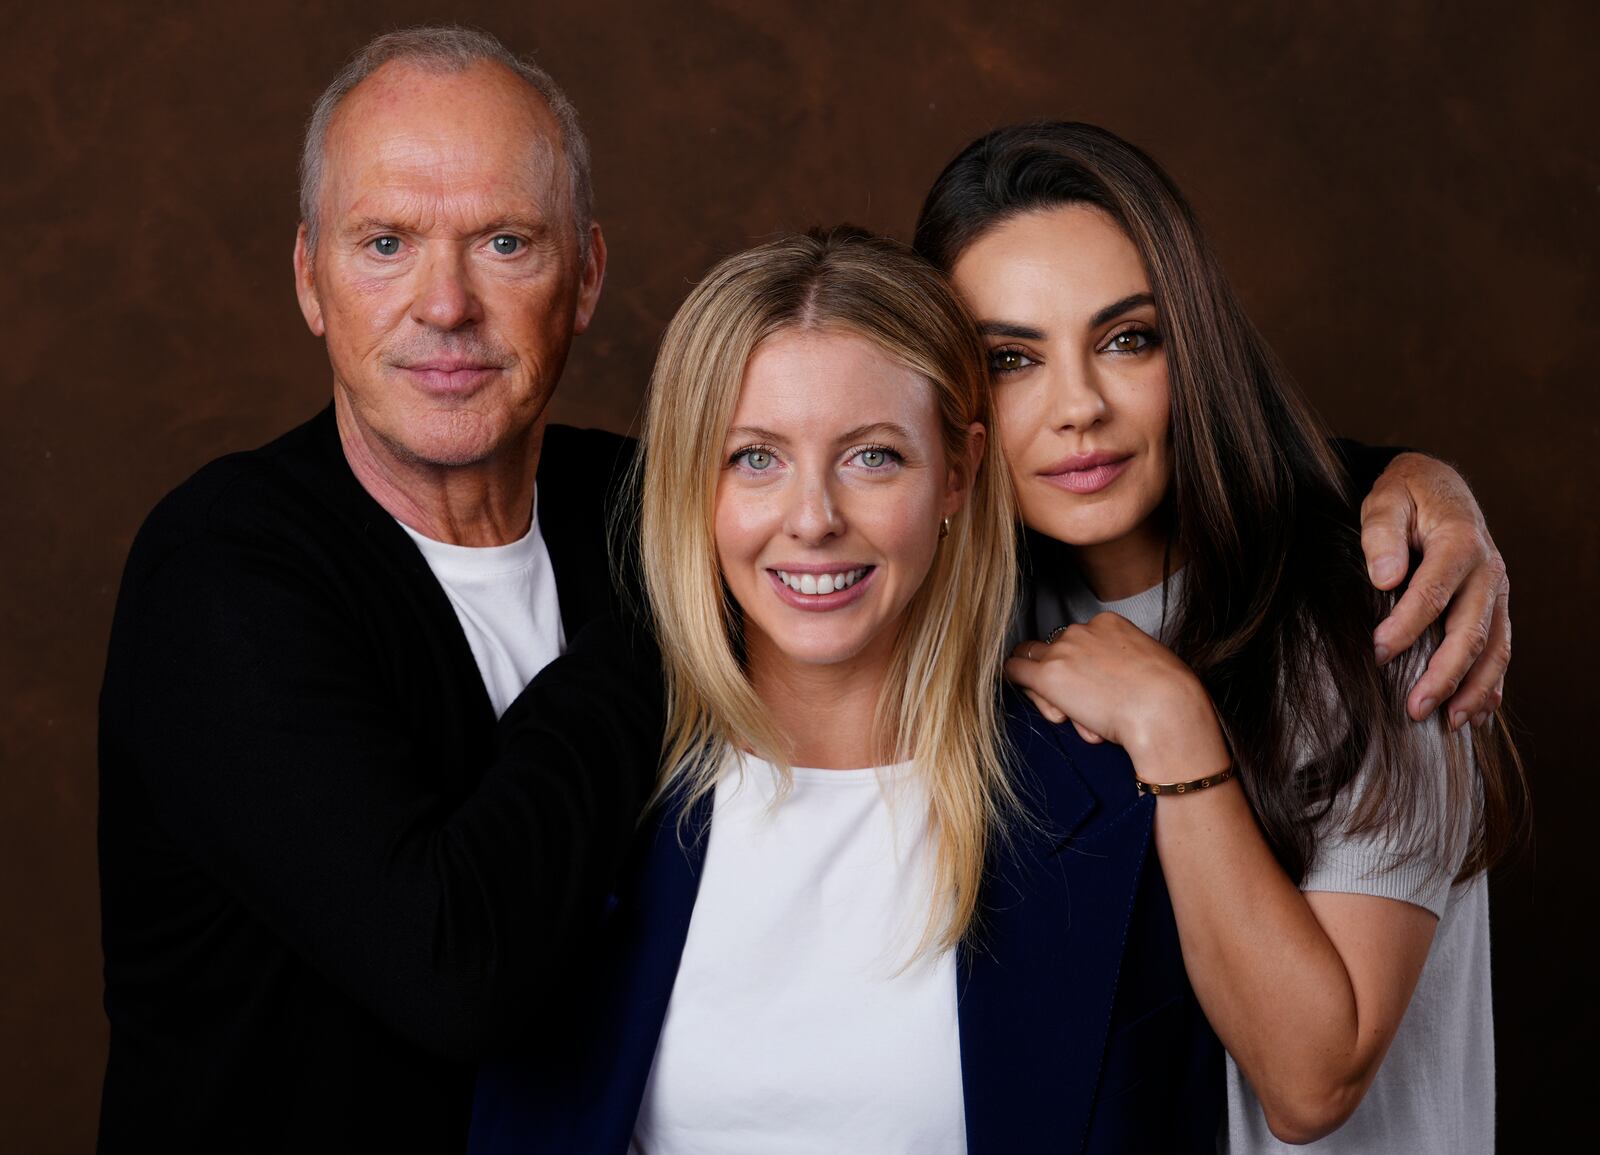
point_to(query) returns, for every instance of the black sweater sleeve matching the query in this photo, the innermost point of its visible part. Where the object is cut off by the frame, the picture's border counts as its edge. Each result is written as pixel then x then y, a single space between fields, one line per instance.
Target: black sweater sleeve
pixel 245 699
pixel 1363 462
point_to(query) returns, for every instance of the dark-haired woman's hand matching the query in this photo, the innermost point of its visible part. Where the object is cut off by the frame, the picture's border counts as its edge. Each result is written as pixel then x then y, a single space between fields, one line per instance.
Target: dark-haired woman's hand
pixel 1422 504
pixel 1116 683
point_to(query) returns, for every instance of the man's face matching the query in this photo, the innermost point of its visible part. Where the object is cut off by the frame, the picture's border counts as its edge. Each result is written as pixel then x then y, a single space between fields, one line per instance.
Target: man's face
pixel 447 277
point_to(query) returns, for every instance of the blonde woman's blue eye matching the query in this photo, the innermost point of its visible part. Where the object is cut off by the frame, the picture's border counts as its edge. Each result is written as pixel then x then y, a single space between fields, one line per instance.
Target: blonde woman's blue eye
pixel 876 457
pixel 386 246
pixel 757 459
pixel 505 246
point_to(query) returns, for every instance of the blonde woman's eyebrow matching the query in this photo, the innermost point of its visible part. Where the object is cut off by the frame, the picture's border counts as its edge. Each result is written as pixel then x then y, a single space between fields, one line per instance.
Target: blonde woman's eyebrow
pixel 876 429
pixel 752 432
pixel 743 433
pixel 1114 310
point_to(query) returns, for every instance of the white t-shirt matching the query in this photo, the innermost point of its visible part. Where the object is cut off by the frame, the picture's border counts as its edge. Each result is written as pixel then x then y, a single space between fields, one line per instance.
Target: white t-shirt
pixel 505 598
pixel 1434 1093
pixel 796 1025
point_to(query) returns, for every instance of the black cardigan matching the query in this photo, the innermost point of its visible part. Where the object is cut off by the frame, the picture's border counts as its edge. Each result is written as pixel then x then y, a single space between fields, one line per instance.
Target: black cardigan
pixel 331 882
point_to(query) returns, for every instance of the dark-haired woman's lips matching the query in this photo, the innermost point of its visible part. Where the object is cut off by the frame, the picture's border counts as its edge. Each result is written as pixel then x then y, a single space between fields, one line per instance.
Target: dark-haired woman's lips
pixel 1087 472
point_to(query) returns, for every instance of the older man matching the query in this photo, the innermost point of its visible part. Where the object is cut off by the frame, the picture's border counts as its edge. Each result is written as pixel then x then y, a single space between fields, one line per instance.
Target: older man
pixel 330 879
pixel 343 849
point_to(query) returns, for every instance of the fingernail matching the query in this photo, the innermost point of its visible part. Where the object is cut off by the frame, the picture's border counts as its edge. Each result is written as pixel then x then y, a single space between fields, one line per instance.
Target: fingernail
pixel 1457 719
pixel 1384 569
pixel 1382 653
pixel 1425 707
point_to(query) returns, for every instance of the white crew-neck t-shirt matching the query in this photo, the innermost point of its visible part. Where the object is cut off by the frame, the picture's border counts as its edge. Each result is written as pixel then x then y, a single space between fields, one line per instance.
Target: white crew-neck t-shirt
pixel 796 1025
pixel 505 598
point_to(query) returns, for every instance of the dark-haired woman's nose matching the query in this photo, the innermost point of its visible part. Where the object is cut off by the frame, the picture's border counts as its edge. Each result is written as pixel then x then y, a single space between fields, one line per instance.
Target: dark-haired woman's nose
pixel 1076 401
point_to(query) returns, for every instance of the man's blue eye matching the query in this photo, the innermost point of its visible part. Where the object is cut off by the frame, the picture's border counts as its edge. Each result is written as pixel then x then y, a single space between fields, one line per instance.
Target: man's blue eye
pixel 386 246
pixel 505 246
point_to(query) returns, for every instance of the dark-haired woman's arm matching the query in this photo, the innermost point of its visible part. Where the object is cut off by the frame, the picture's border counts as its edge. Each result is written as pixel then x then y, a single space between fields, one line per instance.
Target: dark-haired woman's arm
pixel 1419 504
pixel 1305 990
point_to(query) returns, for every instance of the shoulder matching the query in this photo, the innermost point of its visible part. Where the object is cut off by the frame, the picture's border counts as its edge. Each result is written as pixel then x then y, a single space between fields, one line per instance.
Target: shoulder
pixel 1060 774
pixel 569 453
pixel 293 496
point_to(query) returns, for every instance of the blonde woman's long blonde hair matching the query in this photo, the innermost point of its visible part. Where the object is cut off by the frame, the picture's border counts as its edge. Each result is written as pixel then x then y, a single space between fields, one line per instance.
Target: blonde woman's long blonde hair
pixel 939 706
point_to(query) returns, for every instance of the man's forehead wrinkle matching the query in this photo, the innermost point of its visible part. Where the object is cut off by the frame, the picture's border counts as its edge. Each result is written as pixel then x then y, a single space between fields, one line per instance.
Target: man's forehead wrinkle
pixel 408 175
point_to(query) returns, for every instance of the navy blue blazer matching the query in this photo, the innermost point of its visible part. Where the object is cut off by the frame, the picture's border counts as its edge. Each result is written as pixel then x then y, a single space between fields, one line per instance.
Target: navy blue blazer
pixel 1079 1030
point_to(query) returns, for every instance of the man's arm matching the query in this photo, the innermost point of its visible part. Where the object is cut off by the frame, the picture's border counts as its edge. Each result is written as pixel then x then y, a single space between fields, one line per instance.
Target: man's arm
pixel 248 704
pixel 1421 504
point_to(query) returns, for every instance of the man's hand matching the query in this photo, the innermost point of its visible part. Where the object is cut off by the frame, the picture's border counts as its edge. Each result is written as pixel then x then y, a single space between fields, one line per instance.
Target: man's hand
pixel 1422 504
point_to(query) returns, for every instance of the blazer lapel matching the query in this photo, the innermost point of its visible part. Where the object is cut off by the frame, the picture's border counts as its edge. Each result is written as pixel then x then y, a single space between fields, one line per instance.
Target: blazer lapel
pixel 649 925
pixel 1037 985
pixel 581 1087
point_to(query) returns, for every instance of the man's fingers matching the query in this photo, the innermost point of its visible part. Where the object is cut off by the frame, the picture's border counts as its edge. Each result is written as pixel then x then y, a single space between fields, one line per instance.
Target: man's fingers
pixel 1466 635
pixel 1446 564
pixel 1386 521
pixel 1480 691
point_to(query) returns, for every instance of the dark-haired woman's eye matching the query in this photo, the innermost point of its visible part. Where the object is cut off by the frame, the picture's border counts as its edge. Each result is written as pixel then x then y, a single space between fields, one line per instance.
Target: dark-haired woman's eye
pixel 1008 360
pixel 1133 341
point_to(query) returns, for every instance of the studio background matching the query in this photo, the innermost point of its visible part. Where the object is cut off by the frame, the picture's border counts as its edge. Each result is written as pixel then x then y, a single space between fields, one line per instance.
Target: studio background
pixel 1407 195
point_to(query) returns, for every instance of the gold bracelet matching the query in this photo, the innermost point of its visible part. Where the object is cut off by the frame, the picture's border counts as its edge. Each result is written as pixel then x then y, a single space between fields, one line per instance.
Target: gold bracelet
pixel 1210 780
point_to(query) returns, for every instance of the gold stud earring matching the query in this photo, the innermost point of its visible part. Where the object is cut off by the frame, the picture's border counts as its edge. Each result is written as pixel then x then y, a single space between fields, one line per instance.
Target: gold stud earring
pixel 944 529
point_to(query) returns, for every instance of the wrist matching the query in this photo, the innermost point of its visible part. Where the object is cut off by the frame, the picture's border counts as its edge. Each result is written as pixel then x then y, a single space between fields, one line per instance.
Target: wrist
pixel 1181 736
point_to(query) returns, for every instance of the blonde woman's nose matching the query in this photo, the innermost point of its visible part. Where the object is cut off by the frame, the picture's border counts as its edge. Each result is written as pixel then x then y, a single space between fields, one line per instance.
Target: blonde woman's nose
pixel 813 514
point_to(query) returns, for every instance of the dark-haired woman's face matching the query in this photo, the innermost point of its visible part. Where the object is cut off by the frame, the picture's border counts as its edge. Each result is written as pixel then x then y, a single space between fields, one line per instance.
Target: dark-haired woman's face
pixel 1080 379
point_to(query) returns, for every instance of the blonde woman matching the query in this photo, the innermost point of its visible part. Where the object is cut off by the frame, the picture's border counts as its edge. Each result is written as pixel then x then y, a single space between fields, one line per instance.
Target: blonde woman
pixel 849 835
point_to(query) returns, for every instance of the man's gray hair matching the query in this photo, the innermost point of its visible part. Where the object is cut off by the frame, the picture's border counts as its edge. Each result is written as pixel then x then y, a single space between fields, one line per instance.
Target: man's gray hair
pixel 444 48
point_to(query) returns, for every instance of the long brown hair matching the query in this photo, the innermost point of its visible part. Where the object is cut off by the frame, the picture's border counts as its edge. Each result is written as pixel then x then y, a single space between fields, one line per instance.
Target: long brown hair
pixel 939 707
pixel 1275 613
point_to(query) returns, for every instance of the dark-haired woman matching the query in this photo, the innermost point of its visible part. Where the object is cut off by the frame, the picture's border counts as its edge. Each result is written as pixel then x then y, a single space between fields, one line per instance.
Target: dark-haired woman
pixel 1325 855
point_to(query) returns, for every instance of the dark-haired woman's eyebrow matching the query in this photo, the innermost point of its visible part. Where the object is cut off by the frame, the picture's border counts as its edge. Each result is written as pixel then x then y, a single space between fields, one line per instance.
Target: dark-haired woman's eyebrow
pixel 1114 310
pixel 1010 329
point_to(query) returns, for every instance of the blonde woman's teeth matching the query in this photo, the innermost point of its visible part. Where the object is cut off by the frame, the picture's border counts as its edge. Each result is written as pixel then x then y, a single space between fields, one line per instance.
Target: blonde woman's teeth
pixel 820 583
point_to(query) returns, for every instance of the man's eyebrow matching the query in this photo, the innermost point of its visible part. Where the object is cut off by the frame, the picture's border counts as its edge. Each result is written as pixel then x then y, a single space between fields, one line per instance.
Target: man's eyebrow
pixel 1114 310
pixel 1010 329
pixel 371 225
pixel 515 222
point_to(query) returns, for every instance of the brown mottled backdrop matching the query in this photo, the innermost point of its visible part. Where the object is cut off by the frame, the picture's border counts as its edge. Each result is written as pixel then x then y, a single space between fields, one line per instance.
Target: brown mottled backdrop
pixel 1408 194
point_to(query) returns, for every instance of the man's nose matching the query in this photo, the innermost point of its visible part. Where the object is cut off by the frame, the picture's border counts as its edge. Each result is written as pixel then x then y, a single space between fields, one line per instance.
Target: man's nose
pixel 814 514
pixel 445 297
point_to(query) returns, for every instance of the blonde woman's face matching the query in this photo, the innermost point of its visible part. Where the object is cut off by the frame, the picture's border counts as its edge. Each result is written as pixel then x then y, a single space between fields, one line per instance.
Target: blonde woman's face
pixel 833 486
pixel 1080 385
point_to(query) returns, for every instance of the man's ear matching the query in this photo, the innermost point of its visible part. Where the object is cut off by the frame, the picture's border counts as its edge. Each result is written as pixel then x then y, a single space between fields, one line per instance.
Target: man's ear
pixel 305 284
pixel 591 278
pixel 958 484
